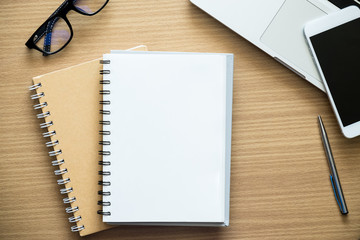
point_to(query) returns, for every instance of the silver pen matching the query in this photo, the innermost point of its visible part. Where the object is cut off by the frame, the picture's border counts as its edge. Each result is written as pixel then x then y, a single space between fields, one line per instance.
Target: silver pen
pixel 334 178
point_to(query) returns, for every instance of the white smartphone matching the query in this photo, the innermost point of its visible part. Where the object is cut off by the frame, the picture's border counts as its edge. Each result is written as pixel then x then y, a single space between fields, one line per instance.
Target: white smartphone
pixel 334 42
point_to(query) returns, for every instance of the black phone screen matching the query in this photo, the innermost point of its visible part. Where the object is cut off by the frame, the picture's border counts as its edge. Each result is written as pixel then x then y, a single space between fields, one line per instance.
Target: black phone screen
pixel 338 52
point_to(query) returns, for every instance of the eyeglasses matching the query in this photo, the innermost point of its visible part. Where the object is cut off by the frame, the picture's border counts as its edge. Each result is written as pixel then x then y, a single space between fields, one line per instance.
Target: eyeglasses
pixel 56 32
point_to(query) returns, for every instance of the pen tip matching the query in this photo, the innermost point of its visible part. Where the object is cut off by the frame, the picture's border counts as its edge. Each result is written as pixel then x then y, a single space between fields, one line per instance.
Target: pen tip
pixel 321 124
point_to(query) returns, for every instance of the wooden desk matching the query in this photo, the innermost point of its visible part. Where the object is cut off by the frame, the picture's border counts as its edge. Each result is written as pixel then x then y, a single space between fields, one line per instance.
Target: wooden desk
pixel 280 186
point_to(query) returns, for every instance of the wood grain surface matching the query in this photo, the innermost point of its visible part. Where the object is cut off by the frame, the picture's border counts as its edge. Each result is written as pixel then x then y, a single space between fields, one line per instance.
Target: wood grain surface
pixel 280 186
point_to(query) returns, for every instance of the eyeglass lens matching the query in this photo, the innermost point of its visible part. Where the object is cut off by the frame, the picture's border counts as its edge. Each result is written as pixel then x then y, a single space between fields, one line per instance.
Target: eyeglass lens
pixel 89 6
pixel 58 32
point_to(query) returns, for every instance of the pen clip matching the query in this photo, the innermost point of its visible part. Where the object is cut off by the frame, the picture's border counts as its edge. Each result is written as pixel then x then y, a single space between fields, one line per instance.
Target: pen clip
pixel 335 193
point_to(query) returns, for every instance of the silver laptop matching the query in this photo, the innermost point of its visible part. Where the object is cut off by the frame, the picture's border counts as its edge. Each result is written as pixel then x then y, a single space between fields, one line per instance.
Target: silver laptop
pixel 275 26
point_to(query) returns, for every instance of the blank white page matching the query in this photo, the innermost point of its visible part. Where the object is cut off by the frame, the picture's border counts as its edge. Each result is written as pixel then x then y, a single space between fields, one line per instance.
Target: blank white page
pixel 168 120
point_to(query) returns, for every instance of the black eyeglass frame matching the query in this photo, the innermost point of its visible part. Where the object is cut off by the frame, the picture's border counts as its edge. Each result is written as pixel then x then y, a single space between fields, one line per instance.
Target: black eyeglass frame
pixel 60 12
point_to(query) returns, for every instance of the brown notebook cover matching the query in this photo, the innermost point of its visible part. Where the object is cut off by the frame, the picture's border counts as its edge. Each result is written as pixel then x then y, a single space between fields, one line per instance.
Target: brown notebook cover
pixel 69 103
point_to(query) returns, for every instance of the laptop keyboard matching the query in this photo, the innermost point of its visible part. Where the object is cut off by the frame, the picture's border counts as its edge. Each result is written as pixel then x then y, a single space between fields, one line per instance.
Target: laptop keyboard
pixel 345 3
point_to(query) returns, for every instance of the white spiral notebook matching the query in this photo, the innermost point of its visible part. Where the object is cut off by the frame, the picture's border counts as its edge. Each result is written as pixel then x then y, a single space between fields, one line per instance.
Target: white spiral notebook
pixel 166 138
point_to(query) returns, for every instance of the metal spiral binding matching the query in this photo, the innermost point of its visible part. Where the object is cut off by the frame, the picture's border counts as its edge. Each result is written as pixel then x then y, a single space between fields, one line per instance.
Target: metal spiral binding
pixel 71 209
pixel 104 92
pixel 66 190
pixel 106 102
pixel 55 153
pixel 101 212
pixel 105 142
pixel 104 183
pixel 74 219
pixel 35 86
pixel 104 132
pixel 103 193
pixel 103 152
pixel 105 163
pixel 104 81
pixel 60 171
pixel 49 134
pixel 46 124
pixel 77 228
pixel 58 162
pixel 43 115
pixel 40 105
pixel 63 181
pixel 102 72
pixel 105 112
pixel 104 122
pixel 104 173
pixel 53 143
pixel 102 203
pixel 69 200
pixel 37 96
